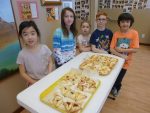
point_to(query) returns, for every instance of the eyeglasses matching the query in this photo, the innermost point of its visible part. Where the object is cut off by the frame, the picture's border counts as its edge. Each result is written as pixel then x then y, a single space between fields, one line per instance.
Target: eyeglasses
pixel 101 19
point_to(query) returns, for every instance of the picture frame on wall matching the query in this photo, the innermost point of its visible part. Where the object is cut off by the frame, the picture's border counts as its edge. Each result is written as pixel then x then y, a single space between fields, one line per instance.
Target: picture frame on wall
pixel 24 10
pixel 27 10
pixel 9 41
pixel 52 13
pixel 51 2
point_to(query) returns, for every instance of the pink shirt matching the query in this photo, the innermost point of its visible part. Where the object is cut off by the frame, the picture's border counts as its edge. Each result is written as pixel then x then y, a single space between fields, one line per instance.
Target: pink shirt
pixel 36 63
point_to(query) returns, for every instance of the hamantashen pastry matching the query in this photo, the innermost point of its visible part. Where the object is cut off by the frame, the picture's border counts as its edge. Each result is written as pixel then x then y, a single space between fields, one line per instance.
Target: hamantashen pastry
pixel 80 86
pixel 92 84
pixel 65 90
pixel 87 84
pixel 99 63
pixel 80 96
pixel 74 95
pixel 57 101
pixel 113 62
pixel 71 78
pixel 104 70
pixel 72 107
pixel 83 65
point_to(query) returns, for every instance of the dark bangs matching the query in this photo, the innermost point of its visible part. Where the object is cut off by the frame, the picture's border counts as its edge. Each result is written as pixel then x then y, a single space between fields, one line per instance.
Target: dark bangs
pixel 124 17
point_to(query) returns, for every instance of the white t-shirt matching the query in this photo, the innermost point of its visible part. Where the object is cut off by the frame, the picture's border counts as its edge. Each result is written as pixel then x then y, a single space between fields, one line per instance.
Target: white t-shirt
pixel 83 40
pixel 36 63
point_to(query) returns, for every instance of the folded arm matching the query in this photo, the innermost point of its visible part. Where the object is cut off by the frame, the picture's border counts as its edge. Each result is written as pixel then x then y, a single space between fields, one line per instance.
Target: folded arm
pixel 113 51
pixel 130 50
pixel 94 49
pixel 84 48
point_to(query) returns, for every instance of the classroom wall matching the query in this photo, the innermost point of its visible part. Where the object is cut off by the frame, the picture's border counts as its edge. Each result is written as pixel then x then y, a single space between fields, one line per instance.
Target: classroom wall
pixel 46 28
pixel 142 24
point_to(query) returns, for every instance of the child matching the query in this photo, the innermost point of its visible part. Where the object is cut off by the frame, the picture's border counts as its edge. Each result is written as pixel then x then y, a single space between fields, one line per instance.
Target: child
pixel 101 37
pixel 84 37
pixel 124 43
pixel 64 44
pixel 34 59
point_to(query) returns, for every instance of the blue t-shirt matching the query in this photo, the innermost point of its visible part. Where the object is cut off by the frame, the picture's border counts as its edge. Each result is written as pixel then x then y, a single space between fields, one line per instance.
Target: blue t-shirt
pixel 101 39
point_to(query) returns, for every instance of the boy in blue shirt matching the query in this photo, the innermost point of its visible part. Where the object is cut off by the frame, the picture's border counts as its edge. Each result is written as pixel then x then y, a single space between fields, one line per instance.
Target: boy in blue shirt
pixel 101 37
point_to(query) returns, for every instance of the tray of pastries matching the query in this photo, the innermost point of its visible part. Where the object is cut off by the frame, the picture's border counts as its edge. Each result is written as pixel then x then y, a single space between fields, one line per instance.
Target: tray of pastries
pixel 71 93
pixel 100 64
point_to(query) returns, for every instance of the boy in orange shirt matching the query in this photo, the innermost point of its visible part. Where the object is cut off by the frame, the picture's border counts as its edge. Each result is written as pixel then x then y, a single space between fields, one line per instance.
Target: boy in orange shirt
pixel 123 44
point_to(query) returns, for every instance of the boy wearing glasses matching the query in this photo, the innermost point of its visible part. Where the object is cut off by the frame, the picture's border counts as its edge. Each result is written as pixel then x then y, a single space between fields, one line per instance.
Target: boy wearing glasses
pixel 101 37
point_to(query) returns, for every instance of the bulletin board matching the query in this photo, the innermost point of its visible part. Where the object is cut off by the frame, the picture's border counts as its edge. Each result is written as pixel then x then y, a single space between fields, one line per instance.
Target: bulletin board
pixel 126 5
pixel 82 9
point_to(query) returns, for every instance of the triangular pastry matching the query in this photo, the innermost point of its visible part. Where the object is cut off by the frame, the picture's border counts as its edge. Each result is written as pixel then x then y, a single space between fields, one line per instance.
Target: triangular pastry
pixel 75 108
pixel 57 100
pixel 80 96
pixel 68 105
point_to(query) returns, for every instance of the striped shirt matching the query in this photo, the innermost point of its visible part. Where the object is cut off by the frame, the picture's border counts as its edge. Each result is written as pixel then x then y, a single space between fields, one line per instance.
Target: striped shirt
pixel 64 48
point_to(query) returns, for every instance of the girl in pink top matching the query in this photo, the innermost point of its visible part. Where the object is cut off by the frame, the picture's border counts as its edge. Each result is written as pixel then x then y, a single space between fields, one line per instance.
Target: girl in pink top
pixel 34 59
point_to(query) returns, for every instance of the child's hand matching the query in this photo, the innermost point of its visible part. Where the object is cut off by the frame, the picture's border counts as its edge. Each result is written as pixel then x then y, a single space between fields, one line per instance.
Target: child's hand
pixel 118 49
pixel 105 52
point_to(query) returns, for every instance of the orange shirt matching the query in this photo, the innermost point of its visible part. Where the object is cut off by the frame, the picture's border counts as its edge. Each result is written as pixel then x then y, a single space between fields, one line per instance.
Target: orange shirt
pixel 126 41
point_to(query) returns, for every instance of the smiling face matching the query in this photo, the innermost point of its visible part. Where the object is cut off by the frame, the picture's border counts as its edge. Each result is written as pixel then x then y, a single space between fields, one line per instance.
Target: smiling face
pixel 85 28
pixel 68 18
pixel 125 25
pixel 30 37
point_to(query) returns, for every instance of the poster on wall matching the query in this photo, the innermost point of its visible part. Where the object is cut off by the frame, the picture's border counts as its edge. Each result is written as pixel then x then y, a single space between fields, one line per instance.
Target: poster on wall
pixel 127 8
pixel 52 13
pixel 24 10
pixel 27 10
pixel 77 8
pixel 9 43
pixel 85 9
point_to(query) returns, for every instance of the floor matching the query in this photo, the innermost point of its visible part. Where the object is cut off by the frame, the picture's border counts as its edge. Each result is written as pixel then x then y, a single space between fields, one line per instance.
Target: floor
pixel 135 94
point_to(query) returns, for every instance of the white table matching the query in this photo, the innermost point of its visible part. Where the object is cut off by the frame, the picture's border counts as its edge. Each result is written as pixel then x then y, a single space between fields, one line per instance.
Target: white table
pixel 29 98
